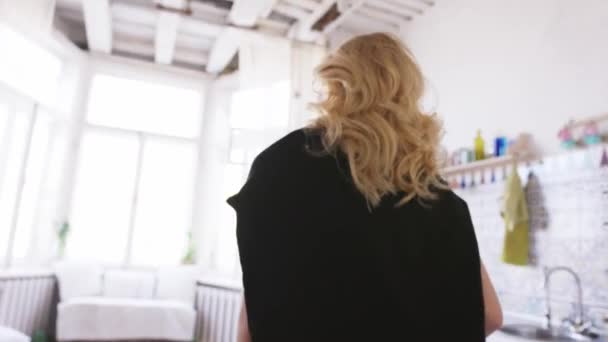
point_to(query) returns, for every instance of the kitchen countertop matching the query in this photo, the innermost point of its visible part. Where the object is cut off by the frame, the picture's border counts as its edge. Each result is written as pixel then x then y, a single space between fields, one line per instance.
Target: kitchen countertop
pixel 517 318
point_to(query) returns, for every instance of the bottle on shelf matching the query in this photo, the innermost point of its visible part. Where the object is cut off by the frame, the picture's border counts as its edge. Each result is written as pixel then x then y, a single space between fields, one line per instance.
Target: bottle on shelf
pixel 480 151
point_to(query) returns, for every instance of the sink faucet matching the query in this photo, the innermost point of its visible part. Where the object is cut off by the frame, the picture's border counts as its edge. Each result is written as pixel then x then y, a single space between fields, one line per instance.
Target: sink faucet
pixel 578 323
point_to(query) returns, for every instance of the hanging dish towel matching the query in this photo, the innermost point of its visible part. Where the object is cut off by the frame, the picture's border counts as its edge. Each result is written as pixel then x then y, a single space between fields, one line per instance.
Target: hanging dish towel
pixel 515 215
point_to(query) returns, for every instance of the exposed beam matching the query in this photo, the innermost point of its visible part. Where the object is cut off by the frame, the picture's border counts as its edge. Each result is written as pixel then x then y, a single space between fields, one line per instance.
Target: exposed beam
pixel 98 24
pixel 344 5
pixel 303 29
pixel 166 35
pixel 146 49
pixel 227 44
pixel 200 27
pixel 196 42
pixel 345 15
pixel 209 13
pixel 148 16
pixel 291 11
pixel 397 7
pixel 134 46
pixel 427 2
pixel 246 12
pixel 307 4
pixel 134 14
pixel 367 24
pixel 191 56
pixel 273 27
pixel 382 15
pixel 122 28
pixel 225 48
pixel 208 8
pixel 71 29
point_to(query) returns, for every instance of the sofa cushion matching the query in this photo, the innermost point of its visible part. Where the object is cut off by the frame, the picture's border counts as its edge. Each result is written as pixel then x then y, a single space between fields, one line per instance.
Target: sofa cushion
pixel 11 335
pixel 78 279
pixel 177 283
pixel 128 284
pixel 103 318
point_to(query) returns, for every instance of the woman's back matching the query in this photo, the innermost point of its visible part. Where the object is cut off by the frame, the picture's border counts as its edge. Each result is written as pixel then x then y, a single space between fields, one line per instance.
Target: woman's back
pixel 320 264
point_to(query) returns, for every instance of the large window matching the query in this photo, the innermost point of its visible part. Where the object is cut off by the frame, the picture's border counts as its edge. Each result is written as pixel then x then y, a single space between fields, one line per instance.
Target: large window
pixel 164 205
pixel 258 117
pixel 133 196
pixel 29 78
pixel 28 133
pixel 141 106
pixel 101 211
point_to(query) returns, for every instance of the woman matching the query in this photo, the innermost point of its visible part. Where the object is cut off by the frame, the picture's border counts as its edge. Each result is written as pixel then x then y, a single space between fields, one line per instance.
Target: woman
pixel 346 230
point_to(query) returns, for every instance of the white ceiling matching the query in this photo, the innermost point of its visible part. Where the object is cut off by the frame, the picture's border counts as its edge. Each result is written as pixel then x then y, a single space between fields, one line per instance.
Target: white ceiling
pixel 203 34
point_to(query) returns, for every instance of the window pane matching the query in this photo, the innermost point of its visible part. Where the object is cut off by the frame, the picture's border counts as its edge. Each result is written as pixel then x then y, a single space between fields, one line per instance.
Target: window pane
pixel 261 108
pixel 143 106
pixel 5 134
pixel 258 117
pixel 163 212
pixel 12 152
pixel 227 255
pixel 31 200
pixel 245 145
pixel 102 201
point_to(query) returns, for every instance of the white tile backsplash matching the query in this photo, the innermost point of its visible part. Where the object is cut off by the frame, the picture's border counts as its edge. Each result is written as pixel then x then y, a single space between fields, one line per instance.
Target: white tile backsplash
pixel 568 205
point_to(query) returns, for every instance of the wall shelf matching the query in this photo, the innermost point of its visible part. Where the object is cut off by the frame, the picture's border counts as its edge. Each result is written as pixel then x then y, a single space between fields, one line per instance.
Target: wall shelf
pixel 486 164
pixel 581 123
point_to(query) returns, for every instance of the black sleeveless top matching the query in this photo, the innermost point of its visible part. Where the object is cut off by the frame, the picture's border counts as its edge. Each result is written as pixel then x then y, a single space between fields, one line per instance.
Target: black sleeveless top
pixel 319 265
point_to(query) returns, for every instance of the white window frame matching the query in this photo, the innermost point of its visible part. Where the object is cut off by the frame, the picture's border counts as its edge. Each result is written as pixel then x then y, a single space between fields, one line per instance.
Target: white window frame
pixel 12 233
pixel 166 75
pixel 141 141
pixel 8 259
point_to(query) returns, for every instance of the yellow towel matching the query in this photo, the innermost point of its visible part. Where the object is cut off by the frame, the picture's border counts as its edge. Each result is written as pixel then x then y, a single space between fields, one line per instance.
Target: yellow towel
pixel 515 215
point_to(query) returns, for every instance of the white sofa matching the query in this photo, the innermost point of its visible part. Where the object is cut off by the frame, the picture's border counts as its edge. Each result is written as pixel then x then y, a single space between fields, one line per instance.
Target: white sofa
pixel 11 335
pixel 100 305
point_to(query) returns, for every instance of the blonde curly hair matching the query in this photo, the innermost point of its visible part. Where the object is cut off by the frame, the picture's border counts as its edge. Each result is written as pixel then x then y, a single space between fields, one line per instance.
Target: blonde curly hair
pixel 371 113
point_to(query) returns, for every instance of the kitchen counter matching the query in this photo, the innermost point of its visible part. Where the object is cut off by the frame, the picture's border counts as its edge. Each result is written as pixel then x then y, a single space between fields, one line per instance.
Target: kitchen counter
pixel 513 318
pixel 516 318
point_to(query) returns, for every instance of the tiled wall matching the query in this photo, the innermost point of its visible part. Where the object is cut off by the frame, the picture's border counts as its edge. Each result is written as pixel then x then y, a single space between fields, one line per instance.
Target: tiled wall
pixel 568 204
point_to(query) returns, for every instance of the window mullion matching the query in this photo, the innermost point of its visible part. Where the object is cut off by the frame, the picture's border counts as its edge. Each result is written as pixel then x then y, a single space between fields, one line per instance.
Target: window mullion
pixel 19 195
pixel 136 185
pixel 5 141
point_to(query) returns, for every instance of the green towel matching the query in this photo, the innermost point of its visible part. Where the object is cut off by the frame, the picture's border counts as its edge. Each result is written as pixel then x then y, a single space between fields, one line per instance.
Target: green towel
pixel 515 215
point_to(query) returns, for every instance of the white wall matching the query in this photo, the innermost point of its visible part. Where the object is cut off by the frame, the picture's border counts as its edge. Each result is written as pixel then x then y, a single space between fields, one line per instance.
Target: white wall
pixel 304 60
pixel 512 66
pixel 214 219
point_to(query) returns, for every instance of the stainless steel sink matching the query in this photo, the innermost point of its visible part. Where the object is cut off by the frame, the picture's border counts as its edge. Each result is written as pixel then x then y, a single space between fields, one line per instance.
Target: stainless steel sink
pixel 536 333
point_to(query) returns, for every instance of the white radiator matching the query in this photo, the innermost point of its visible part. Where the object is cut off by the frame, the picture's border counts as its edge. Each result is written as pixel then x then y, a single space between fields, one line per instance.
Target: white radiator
pixel 218 311
pixel 28 303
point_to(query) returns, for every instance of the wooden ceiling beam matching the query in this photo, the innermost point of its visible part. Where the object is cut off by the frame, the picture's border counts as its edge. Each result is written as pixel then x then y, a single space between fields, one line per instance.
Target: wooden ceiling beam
pixel 307 4
pixel 291 11
pixel 98 25
pixel 245 13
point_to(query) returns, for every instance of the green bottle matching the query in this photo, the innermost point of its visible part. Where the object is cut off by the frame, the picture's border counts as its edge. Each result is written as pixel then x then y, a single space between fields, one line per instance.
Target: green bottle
pixel 39 336
pixel 480 151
